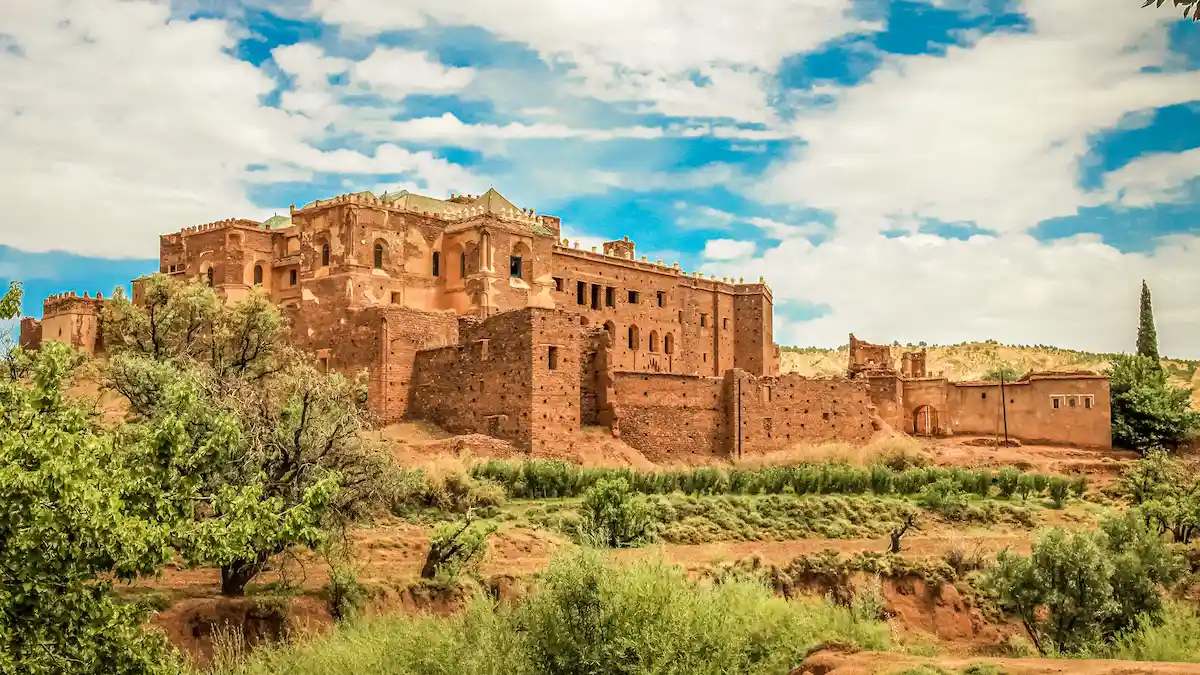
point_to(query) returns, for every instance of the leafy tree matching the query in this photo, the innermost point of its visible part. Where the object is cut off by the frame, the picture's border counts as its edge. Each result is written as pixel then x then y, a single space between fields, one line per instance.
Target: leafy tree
pixel 1189 6
pixel 1148 411
pixel 277 456
pixel 1006 371
pixel 1075 590
pixel 1166 494
pixel 454 548
pixel 76 514
pixel 613 516
pixel 1147 337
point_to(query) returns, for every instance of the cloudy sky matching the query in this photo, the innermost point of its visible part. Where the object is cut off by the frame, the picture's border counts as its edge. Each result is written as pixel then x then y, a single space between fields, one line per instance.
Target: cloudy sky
pixel 937 170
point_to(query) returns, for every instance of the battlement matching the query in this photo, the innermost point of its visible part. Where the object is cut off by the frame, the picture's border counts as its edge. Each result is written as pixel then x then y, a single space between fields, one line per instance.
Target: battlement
pixel 62 303
pixel 612 255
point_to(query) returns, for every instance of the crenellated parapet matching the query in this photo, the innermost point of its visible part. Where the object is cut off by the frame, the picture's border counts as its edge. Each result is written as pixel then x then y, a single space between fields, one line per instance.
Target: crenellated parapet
pixel 72 303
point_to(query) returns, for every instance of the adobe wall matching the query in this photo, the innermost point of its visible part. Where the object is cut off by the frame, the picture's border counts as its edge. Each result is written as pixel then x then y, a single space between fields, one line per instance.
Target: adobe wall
pixel 865 356
pixel 668 417
pixel 930 392
pixel 887 395
pixel 1032 417
pixel 754 346
pixel 776 412
pixel 498 380
pixel 69 318
pixel 30 336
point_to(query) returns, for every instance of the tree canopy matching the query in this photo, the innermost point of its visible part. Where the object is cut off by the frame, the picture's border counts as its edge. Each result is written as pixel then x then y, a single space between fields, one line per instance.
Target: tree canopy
pixel 1147 410
pixel 1191 7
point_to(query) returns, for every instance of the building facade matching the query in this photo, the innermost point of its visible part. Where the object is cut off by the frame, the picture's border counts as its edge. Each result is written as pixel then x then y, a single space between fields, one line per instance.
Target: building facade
pixel 474 314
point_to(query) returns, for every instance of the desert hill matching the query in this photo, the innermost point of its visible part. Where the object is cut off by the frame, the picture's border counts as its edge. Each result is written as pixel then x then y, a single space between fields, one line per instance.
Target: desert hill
pixel 973 360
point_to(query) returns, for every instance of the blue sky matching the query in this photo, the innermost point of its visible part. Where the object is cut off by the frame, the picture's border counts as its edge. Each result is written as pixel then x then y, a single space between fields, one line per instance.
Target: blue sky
pixel 913 170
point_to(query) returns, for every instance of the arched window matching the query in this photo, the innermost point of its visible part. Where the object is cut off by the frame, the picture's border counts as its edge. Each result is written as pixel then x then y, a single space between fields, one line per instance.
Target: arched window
pixel 324 255
pixel 634 338
pixel 653 340
pixel 668 343
pixel 258 274
pixel 378 256
pixel 437 264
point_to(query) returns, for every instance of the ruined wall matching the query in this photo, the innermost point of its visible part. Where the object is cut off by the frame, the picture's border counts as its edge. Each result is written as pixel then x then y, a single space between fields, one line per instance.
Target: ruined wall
pixel 592 343
pixel 668 417
pixel 502 380
pixel 1032 416
pixel 771 413
pixel 865 356
pixel 887 395
pixel 30 336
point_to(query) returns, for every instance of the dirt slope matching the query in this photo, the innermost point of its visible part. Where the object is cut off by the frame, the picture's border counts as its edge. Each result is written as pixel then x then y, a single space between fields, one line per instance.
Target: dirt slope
pixel 873 663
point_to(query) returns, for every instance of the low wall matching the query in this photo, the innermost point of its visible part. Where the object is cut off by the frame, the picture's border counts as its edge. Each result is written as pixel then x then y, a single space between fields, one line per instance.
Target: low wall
pixel 670 416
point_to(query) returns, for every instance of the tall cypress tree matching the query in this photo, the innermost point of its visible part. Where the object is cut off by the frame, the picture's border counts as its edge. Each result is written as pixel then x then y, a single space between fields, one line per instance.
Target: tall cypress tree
pixel 1147 337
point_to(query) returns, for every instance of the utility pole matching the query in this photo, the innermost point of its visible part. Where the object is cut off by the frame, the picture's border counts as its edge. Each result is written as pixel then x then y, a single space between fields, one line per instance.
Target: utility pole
pixel 1004 406
pixel 739 417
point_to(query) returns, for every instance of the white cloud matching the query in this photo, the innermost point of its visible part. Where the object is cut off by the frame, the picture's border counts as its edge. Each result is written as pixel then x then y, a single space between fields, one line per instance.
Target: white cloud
pixel 118 124
pixel 1076 292
pixel 1153 179
pixel 728 249
pixel 448 128
pixel 640 50
pixel 992 134
pixel 397 73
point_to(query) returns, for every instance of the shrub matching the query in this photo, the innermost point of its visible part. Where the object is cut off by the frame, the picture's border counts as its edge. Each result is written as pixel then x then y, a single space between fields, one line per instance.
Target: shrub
pixel 1174 637
pixel 944 497
pixel 1076 590
pixel 1059 490
pixel 612 516
pixel 1079 486
pixel 455 548
pixel 344 596
pixel 1006 481
pixel 1149 412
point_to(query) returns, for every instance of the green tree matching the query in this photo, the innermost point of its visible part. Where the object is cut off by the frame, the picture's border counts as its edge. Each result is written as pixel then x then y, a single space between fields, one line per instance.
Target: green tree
pixel 278 458
pixel 1075 590
pixel 77 513
pixel 1147 336
pixel 454 548
pixel 1166 495
pixel 1006 371
pixel 613 516
pixel 1148 411
pixel 1189 6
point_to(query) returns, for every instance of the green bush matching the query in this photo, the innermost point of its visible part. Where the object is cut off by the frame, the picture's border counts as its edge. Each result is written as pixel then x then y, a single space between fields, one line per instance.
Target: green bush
pixel 586 616
pixel 1006 482
pixel 1078 590
pixel 945 497
pixel 1175 637
pixel 1059 488
pixel 611 515
pixel 455 548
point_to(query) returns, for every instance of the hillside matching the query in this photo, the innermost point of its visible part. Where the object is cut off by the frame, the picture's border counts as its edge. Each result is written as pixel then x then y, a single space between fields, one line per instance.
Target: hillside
pixel 972 360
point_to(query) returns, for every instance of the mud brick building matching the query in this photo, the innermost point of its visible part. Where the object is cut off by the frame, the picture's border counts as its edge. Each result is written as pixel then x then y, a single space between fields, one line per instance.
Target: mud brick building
pixel 1070 408
pixel 474 314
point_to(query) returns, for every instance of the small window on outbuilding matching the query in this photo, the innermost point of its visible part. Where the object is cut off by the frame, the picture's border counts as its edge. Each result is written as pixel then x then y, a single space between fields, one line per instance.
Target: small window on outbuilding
pixel 552 358
pixel 983 395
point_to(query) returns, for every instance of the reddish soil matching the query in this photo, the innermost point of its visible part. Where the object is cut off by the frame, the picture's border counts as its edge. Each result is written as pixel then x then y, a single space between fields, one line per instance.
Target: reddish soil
pixel 1100 465
pixel 886 663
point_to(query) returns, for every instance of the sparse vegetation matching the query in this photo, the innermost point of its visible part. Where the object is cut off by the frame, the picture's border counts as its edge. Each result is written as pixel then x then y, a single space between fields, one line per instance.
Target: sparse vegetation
pixel 455 548
pixel 586 616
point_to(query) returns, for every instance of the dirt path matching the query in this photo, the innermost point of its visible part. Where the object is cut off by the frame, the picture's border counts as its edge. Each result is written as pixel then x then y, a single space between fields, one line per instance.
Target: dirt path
pixel 886 663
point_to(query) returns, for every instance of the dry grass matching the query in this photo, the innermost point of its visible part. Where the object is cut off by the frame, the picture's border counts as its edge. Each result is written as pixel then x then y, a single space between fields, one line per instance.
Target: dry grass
pixel 890 450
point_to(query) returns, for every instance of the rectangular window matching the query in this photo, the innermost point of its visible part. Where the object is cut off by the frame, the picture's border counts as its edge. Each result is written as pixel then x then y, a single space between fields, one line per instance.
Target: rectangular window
pixel 610 296
pixel 558 284
pixel 462 264
pixel 1055 399
pixel 703 320
pixel 552 358
pixel 437 264
pixel 595 296
pixel 514 266
pixel 292 277
pixel 1087 402
pixel 1071 402
pixel 580 292
pixel 633 297
pixel 395 297
pixel 662 299
pixel 984 395
pixel 725 323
